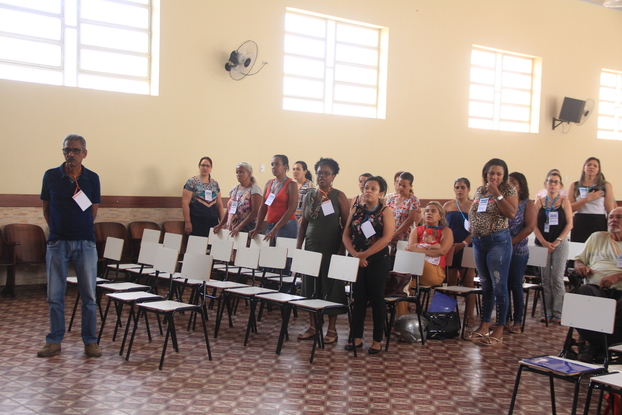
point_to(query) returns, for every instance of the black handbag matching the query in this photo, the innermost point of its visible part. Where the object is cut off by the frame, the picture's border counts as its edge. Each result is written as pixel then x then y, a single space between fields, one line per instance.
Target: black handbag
pixel 443 321
pixel 443 325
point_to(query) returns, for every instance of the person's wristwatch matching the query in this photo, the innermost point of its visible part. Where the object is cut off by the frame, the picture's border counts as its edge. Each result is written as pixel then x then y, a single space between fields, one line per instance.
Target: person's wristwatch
pixel 500 197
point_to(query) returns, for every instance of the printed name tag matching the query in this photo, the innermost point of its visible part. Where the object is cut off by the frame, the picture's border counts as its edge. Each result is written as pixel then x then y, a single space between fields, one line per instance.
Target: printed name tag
pixel 583 192
pixel 547 228
pixel 82 200
pixel 483 205
pixel 327 208
pixel 270 199
pixel 208 195
pixel 368 229
pixel 233 208
pixel 467 225
pixel 553 218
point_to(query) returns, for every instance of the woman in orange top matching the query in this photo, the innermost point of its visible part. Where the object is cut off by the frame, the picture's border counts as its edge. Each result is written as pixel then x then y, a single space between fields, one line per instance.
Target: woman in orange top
pixel 280 201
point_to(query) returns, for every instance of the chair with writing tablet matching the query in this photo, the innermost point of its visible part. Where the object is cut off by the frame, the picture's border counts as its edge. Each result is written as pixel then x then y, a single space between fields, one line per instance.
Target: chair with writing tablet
pixel 288 279
pixel 137 235
pixel 221 250
pixel 410 263
pixel 196 267
pixel 600 318
pixel 609 382
pixel 537 258
pixel 150 236
pixel 341 268
pixel 273 258
pixel 468 261
pixel 574 249
pixel 303 263
pixel 165 262
pixel 220 265
pixel 245 258
pixel 197 244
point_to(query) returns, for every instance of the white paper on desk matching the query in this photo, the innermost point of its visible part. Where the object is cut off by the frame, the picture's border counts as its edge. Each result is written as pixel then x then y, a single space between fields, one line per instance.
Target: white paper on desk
pixel 82 200
pixel 327 208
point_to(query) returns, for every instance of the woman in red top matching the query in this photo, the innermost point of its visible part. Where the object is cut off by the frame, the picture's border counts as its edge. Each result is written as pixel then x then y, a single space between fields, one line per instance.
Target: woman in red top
pixel 434 239
pixel 280 200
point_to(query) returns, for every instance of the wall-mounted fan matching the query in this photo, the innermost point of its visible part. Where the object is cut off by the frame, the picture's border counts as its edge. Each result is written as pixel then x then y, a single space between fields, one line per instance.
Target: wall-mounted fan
pixel 587 111
pixel 242 60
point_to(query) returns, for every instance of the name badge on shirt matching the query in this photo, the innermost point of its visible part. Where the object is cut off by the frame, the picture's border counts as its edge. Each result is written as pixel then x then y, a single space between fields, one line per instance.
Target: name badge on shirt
pixel 483 205
pixel 233 208
pixel 368 229
pixel 467 225
pixel 619 263
pixel 583 192
pixel 547 228
pixel 208 195
pixel 553 218
pixel 327 208
pixel 82 200
pixel 270 199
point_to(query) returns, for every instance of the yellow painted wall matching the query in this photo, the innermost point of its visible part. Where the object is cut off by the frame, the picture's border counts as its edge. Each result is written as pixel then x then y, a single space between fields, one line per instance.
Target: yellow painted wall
pixel 149 146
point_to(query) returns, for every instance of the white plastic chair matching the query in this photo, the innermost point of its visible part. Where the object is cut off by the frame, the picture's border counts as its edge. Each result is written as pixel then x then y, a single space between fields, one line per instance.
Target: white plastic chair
pixel 600 318
pixel 341 268
pixel 410 263
pixel 195 267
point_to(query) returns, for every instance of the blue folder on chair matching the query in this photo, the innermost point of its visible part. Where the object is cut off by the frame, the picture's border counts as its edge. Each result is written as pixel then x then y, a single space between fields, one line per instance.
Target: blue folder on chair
pixel 442 303
pixel 559 365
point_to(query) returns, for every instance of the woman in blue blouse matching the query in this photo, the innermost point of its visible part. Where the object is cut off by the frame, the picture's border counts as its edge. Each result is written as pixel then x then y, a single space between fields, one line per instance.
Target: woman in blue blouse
pixel 521 226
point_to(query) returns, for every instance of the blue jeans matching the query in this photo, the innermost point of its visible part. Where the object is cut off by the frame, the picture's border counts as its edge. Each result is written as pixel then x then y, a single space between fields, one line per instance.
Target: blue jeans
pixel 493 254
pixel 515 284
pixel 289 230
pixel 83 255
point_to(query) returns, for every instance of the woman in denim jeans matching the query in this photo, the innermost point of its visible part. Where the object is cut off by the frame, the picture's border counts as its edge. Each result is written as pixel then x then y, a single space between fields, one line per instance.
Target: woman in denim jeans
pixel 521 226
pixel 493 204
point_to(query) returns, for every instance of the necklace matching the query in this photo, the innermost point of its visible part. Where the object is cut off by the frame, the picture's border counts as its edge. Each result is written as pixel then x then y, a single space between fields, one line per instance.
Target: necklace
pixel 278 185
pixel 314 211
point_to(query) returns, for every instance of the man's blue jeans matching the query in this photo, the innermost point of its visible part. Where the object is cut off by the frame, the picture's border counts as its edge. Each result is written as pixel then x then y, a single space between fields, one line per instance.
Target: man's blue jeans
pixel 83 255
pixel 493 254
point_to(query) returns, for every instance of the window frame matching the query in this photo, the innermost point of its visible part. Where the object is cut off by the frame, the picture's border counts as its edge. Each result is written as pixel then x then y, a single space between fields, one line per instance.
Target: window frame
pixel 71 69
pixel 324 92
pixel 614 133
pixel 499 122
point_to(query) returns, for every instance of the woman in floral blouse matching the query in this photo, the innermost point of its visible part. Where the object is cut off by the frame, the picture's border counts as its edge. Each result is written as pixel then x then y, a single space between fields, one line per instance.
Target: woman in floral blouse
pixel 244 202
pixel 201 204
pixel 405 207
pixel 366 236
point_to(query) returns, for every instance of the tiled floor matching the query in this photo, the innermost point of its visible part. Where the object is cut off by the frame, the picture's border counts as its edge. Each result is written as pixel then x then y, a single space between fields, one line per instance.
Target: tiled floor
pixel 442 377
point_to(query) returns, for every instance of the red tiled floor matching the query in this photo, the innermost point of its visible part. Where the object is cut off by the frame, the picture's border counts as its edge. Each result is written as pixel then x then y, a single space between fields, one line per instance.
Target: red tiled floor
pixel 443 377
